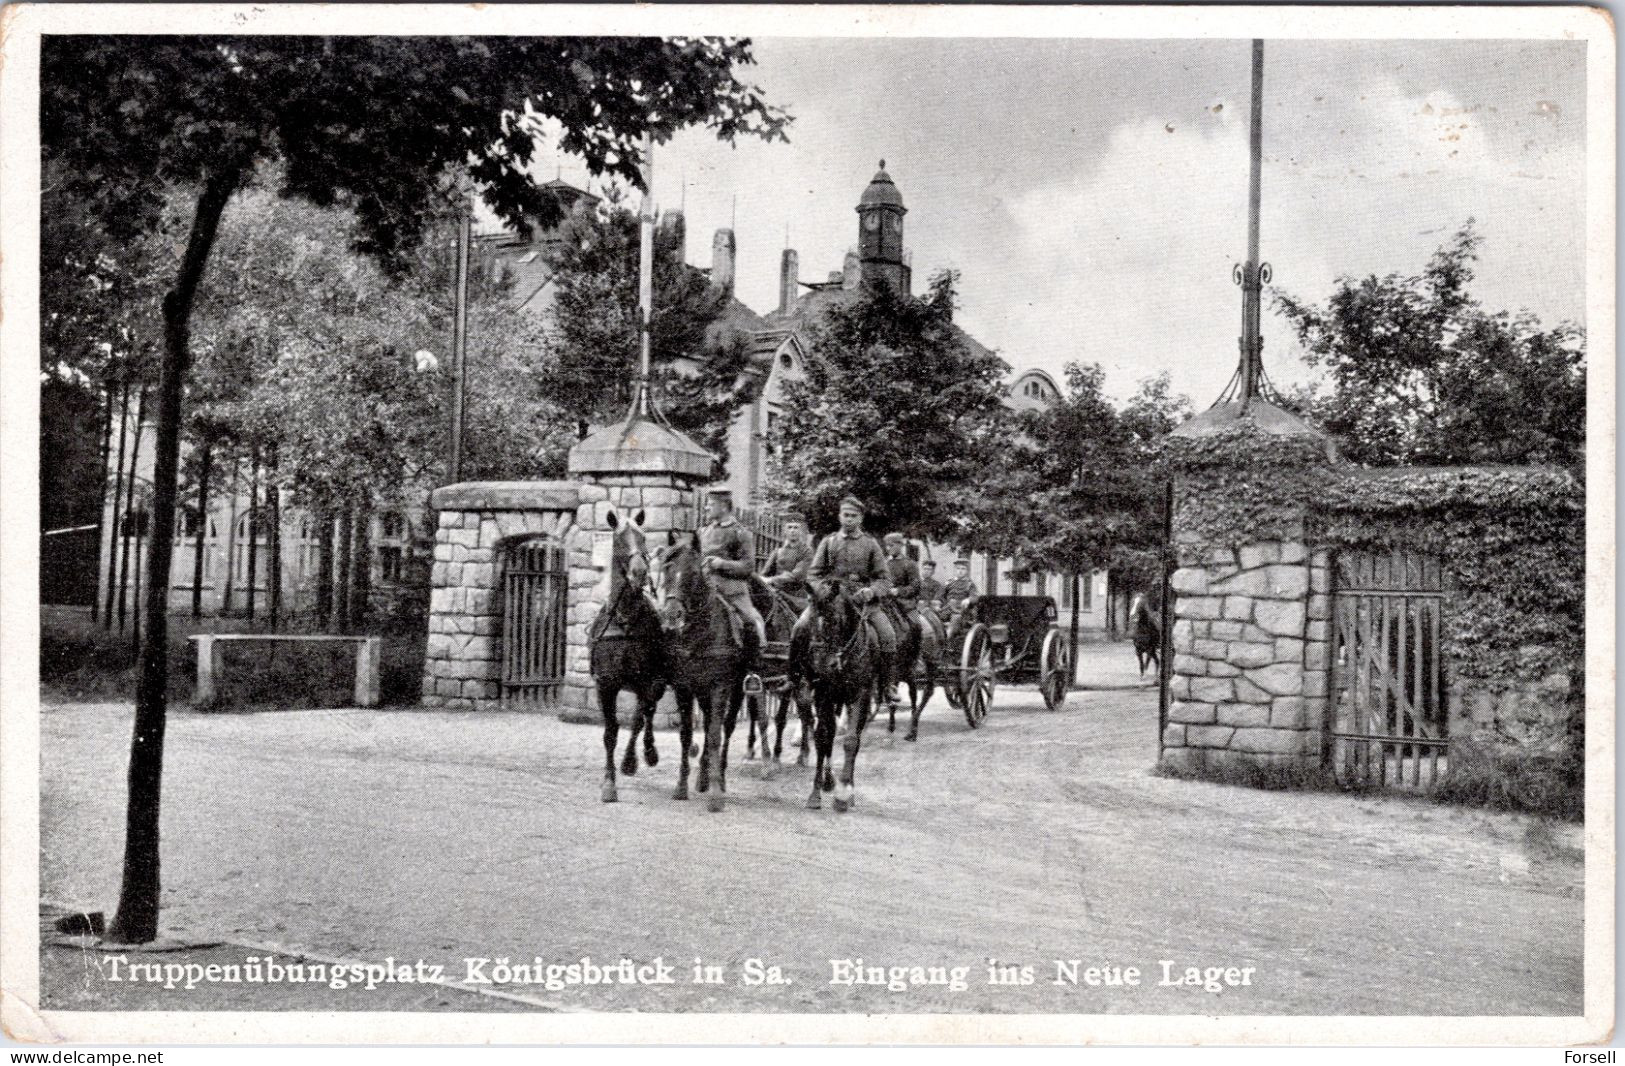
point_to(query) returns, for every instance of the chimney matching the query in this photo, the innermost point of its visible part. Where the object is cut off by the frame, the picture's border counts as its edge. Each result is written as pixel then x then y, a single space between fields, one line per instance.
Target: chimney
pixel 672 221
pixel 722 260
pixel 789 278
pixel 851 271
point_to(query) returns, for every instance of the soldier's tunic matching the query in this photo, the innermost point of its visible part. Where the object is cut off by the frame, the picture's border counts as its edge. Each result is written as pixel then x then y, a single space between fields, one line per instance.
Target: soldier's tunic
pixel 789 564
pixel 858 559
pixel 730 544
pixel 931 590
pixel 905 581
pixel 958 591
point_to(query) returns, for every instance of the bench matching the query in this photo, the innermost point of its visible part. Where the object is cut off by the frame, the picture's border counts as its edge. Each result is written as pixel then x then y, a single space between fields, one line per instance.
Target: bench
pixel 211 661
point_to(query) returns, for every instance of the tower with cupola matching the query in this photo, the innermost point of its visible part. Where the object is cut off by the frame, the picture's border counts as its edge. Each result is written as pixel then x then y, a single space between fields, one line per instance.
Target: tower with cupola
pixel 880 233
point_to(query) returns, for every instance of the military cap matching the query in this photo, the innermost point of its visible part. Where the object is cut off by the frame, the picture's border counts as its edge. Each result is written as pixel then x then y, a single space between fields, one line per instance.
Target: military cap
pixel 794 516
pixel 932 563
pixel 893 537
pixel 720 494
pixel 962 562
pixel 853 501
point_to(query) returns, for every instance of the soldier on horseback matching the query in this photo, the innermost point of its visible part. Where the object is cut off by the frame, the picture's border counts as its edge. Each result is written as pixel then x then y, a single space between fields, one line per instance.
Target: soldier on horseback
pixel 786 568
pixel 730 562
pixel 851 554
pixel 905 582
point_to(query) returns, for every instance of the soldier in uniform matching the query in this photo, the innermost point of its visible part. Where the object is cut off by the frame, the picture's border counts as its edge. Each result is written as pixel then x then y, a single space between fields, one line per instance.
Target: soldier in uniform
pixel 786 568
pixel 730 560
pixel 853 555
pixel 905 579
pixel 931 589
pixel 961 591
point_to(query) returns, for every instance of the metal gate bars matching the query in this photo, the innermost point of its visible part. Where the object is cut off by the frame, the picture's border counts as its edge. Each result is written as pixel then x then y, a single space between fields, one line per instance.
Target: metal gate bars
pixel 1389 724
pixel 534 588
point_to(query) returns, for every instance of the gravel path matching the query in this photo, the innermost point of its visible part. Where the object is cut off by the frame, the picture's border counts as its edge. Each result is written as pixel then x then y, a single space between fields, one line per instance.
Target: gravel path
pixel 1039 837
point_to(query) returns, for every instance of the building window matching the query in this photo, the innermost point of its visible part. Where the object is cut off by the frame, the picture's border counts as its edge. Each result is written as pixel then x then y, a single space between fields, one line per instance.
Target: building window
pixel 393 525
pixel 390 566
pixel 1066 590
pixel 1088 592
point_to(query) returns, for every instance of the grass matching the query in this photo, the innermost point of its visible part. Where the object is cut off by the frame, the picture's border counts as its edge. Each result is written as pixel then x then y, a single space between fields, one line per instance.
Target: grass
pixel 81 662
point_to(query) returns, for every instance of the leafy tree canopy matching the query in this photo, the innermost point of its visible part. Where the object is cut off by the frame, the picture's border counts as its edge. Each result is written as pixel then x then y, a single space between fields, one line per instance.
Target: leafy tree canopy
pixel 697 358
pixel 898 407
pixel 1421 374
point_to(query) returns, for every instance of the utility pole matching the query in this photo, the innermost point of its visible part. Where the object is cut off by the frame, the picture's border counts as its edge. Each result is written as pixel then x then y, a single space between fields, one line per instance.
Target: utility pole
pixel 646 275
pixel 459 342
pixel 1252 275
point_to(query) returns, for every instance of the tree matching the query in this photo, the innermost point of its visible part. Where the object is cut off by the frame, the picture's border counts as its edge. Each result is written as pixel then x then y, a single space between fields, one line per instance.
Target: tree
pixel 897 406
pixel 1081 490
pixel 697 361
pixel 372 120
pixel 1421 374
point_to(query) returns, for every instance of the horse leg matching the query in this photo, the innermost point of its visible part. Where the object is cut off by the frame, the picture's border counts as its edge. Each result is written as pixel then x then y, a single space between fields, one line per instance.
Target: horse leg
pixel 629 760
pixel 780 719
pixel 804 712
pixel 651 700
pixel 606 706
pixel 715 706
pixel 824 744
pixel 736 699
pixel 685 737
pixel 845 794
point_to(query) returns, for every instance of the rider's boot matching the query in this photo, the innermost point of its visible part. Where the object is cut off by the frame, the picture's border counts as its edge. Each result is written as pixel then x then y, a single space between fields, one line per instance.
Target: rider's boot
pixel 753 661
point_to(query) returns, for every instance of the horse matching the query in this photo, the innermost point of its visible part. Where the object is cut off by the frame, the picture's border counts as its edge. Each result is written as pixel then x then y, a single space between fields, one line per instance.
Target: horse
pixel 838 655
pixel 705 658
pixel 627 652
pixel 922 651
pixel 779 610
pixel 1147 633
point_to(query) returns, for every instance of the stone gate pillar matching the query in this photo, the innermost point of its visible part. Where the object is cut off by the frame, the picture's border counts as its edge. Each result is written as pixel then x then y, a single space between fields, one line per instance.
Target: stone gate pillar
pixel 638 464
pixel 1252 620
pixel 462 668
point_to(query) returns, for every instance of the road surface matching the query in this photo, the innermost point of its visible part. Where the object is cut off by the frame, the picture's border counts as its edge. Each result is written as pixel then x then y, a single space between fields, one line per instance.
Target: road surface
pixel 1041 842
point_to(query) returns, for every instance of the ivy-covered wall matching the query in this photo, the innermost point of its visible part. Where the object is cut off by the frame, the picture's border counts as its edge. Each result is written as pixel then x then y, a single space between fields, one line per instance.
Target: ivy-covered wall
pixel 1511 539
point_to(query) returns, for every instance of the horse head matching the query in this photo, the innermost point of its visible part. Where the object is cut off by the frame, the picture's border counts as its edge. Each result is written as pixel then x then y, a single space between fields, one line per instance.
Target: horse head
pixel 630 558
pixel 680 586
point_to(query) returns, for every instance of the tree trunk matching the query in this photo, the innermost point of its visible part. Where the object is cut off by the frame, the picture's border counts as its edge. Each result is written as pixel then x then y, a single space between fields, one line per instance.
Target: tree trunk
pixel 255 520
pixel 231 537
pixel 136 920
pixel 324 566
pixel 273 507
pixel 101 496
pixel 135 607
pixel 129 505
pixel 116 525
pixel 199 544
pixel 361 565
pixel 341 589
pixel 1076 600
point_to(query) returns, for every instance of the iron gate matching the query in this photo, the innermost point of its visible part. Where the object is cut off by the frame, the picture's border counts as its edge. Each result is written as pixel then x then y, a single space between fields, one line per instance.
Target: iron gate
pixel 1389 722
pixel 534 585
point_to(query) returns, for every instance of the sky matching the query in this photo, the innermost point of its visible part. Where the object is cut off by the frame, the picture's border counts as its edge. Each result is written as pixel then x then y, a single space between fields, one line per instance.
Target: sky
pixel 1093 193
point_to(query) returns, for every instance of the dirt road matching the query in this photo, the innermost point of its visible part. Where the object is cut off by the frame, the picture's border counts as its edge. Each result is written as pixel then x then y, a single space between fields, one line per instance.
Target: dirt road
pixel 1040 837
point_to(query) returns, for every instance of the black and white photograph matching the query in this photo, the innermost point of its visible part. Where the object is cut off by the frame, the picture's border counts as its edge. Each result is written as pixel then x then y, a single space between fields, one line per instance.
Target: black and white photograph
pixel 822 525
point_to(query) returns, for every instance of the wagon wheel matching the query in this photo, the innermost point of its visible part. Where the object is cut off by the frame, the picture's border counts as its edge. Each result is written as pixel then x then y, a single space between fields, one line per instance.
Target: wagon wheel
pixel 977 678
pixel 1055 669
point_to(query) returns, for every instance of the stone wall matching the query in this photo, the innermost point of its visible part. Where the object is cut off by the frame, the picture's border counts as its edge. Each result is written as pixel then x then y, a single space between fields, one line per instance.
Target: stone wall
pixel 478 520
pixel 1251 636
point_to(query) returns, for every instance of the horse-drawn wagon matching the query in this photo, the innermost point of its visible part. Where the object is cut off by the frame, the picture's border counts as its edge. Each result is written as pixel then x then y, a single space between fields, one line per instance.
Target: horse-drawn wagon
pixel 1009 640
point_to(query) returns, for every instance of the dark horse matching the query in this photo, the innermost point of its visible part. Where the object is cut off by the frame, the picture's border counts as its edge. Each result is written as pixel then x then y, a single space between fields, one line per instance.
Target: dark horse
pixel 627 651
pixel 1147 633
pixel 780 611
pixel 919 653
pixel 705 662
pixel 839 655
